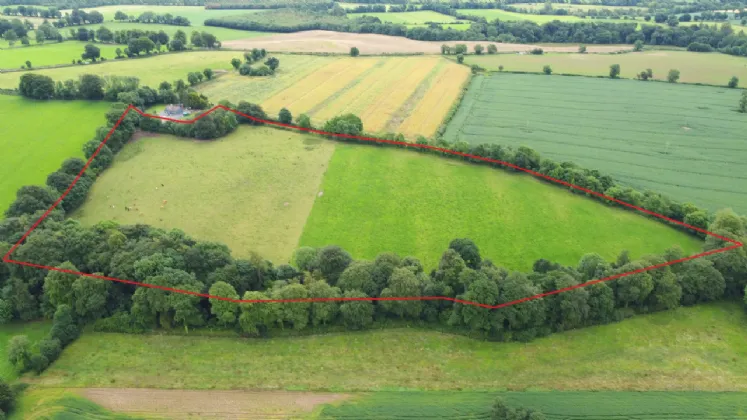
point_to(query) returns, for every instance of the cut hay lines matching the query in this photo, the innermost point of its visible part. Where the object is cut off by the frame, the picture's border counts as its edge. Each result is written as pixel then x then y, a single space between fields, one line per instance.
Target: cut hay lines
pixel 318 86
pixel 381 110
pixel 235 87
pixel 358 99
pixel 433 106
pixel 406 108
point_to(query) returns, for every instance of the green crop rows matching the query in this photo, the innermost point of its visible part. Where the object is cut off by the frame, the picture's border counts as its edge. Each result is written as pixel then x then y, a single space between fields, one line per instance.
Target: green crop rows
pixel 684 141
pixel 581 405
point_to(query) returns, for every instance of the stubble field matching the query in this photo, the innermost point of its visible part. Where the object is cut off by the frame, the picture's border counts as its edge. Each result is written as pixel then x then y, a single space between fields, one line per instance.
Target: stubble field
pixel 681 140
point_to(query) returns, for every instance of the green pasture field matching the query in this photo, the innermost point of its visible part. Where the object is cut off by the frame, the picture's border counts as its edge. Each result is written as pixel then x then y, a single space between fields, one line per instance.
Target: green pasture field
pixel 378 200
pixel 463 26
pixel 35 331
pixel 36 137
pixel 234 87
pixel 574 7
pixel 708 68
pixel 150 70
pixel 554 405
pixel 685 141
pixel 223 34
pixel 251 190
pixel 195 14
pixel 50 53
pixel 410 18
pixel 689 348
pixel 492 14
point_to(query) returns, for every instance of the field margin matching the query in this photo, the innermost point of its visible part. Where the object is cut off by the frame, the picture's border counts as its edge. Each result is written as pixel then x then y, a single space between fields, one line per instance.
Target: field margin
pixel 7 259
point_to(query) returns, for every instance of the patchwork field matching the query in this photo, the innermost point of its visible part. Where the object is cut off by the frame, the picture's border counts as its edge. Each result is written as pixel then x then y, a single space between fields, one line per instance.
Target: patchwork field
pixel 223 34
pixel 35 331
pixel 379 200
pixel 195 14
pixel 708 68
pixel 410 95
pixel 251 190
pixel 685 141
pixel 150 70
pixel 50 54
pixel 554 405
pixel 687 348
pixel 41 138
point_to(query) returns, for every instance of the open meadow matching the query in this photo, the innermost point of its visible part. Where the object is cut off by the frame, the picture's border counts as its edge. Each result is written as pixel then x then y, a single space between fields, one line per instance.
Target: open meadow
pixel 410 95
pixel 707 68
pixel 251 190
pixel 378 200
pixel 38 137
pixel 35 331
pixel 492 14
pixel 223 34
pixel 685 141
pixel 411 18
pixel 51 54
pixel 150 70
pixel 687 348
pixel 576 7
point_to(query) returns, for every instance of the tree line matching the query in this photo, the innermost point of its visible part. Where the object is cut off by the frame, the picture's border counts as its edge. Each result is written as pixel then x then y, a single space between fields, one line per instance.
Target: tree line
pixel 152 17
pixel 723 39
pixel 173 259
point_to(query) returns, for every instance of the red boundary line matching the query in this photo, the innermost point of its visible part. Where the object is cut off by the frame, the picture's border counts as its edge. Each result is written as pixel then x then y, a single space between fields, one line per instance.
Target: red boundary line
pixel 7 259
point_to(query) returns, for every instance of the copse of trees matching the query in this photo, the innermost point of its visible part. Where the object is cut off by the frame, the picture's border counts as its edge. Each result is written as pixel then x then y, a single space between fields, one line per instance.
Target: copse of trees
pixel 253 66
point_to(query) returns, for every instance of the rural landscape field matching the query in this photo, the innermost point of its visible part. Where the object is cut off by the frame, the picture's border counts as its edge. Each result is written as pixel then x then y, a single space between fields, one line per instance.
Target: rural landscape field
pixel 273 209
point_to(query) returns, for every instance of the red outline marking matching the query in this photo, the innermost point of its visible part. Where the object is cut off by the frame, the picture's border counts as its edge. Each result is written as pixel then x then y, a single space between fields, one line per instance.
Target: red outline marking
pixel 6 258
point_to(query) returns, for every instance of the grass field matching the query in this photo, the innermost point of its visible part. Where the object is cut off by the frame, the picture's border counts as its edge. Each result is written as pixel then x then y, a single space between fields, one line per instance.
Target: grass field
pixel 150 70
pixel 251 190
pixel 492 14
pixel 555 405
pixel 681 140
pixel 690 348
pixel 50 54
pixel 195 14
pixel 576 7
pixel 709 68
pixel 410 18
pixel 37 137
pixel 378 200
pixel 35 332
pixel 410 95
pixel 223 34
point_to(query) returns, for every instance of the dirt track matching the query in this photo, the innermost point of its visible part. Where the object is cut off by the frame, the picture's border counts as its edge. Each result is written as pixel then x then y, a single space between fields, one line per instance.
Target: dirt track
pixel 340 42
pixel 180 404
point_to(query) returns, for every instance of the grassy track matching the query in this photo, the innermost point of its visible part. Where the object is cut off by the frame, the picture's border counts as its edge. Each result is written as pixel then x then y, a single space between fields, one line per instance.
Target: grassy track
pixel 555 405
pixel 681 140
pixel 150 70
pixel 710 68
pixel 60 404
pixel 695 348
pixel 251 190
pixel 35 332
pixel 36 137
pixel 50 54
pixel 379 200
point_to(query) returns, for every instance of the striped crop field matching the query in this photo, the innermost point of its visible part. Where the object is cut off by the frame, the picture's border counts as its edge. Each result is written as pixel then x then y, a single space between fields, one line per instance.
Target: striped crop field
pixel 408 95
pixel 685 141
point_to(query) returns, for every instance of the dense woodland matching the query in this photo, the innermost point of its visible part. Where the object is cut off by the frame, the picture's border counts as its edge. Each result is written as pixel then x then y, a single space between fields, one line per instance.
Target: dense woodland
pixel 175 260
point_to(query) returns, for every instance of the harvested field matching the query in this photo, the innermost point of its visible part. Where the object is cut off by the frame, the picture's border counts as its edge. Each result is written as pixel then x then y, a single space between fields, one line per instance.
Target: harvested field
pixel 337 42
pixel 178 404
pixel 410 95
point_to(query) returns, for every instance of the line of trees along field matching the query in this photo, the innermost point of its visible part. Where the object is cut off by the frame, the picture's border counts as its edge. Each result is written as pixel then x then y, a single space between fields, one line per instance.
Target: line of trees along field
pixel 173 259
pixel 723 39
